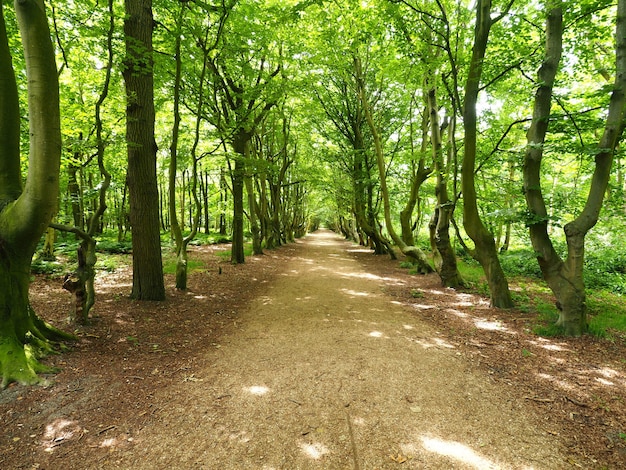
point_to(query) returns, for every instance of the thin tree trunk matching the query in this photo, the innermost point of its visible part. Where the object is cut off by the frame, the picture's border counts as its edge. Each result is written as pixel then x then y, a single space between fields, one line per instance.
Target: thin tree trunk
pixel 419 175
pixel 447 267
pixel 411 251
pixel 485 247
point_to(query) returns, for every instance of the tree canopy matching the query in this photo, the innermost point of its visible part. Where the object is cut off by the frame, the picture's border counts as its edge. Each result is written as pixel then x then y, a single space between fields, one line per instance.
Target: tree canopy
pixel 403 124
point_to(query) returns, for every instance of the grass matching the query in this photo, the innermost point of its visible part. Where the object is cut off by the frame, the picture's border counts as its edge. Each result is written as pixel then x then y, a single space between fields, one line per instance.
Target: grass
pixel 247 251
pixel 169 265
pixel 606 309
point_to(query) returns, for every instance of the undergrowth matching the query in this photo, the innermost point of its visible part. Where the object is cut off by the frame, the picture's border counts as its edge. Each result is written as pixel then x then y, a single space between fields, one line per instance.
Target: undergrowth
pixel 605 307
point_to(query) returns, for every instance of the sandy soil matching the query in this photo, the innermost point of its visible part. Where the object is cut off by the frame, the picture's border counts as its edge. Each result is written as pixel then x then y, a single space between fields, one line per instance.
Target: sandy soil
pixel 316 355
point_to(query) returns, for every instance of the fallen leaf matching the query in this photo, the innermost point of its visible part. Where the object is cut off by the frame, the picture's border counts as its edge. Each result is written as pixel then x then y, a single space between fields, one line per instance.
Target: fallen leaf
pixel 399 458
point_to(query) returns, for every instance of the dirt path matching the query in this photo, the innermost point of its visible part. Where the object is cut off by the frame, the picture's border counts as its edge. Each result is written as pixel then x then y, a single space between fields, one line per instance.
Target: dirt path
pixel 325 371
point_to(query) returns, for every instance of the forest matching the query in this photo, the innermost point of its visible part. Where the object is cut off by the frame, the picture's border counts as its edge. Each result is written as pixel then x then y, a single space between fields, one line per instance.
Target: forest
pixel 447 133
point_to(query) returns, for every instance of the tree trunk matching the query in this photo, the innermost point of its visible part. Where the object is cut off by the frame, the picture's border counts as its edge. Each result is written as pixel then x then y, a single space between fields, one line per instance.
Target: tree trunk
pixel 175 226
pixel 237 177
pixel 418 176
pixel 24 215
pixel 565 278
pixel 142 178
pixel 223 228
pixel 412 252
pixel 446 265
pixel 485 246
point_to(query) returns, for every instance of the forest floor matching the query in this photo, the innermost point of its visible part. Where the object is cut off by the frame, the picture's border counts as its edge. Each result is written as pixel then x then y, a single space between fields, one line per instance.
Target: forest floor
pixel 315 355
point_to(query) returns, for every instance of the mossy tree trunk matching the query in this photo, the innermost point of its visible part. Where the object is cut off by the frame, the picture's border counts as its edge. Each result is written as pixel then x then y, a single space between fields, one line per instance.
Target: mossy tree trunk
pixel 485 246
pixel 26 211
pixel 445 264
pixel 196 208
pixel 419 174
pixel 565 277
pixel 413 252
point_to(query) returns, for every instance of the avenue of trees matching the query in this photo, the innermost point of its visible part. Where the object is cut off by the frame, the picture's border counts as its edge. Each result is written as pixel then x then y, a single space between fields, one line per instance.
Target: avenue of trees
pixel 431 129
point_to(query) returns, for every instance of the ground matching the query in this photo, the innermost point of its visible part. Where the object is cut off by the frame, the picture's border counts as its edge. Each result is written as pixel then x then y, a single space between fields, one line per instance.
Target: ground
pixel 316 355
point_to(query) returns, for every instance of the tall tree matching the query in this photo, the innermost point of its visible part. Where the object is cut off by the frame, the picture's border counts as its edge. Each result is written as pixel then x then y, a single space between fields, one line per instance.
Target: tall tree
pixel 26 211
pixel 445 258
pixel 565 277
pixel 243 77
pixel 485 250
pixel 82 284
pixel 413 252
pixel 142 177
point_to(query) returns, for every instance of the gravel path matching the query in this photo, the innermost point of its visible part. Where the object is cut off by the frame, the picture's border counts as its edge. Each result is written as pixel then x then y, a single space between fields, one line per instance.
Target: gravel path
pixel 324 371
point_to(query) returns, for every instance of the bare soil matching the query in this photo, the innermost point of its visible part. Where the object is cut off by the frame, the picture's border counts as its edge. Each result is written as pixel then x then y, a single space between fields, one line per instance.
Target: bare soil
pixel 315 355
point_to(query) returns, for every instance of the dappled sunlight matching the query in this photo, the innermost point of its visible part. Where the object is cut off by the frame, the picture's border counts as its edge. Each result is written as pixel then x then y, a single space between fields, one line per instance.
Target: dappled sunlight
pixel 373 277
pixel 493 325
pixel 241 437
pixel 604 381
pixel 359 249
pixel 354 293
pixel 609 377
pixel 549 345
pixel 458 452
pixel 422 306
pixel 432 343
pixel 258 390
pixel 113 442
pixel 457 313
pixel 561 383
pixel 314 451
pixel 359 421
pixel 604 376
pixel 377 334
pixel 108 282
pixel 60 431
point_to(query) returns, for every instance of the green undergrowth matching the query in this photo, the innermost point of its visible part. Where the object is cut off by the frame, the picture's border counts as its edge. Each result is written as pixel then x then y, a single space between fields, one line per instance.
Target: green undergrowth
pixel 226 254
pixel 169 265
pixel 112 254
pixel 606 306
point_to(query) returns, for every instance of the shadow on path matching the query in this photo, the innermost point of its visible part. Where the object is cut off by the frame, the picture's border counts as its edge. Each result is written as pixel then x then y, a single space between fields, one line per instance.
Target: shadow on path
pixel 325 371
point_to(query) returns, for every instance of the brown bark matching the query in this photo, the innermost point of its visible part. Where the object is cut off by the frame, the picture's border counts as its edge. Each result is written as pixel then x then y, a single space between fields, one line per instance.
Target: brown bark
pixel 142 178
pixel 446 265
pixel 565 277
pixel 485 247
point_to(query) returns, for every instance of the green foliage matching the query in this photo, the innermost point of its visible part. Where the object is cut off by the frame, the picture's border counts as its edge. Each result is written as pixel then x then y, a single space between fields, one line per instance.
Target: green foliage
pixel 41 266
pixel 547 317
pixel 607 313
pixel 520 262
pixel 169 265
pixel 110 246
pixel 226 254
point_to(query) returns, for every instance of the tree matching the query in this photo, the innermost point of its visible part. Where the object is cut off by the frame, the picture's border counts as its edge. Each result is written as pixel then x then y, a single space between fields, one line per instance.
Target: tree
pixel 485 250
pixel 565 277
pixel 243 78
pixel 445 258
pixel 142 177
pixel 26 211
pixel 411 251
pixel 82 283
